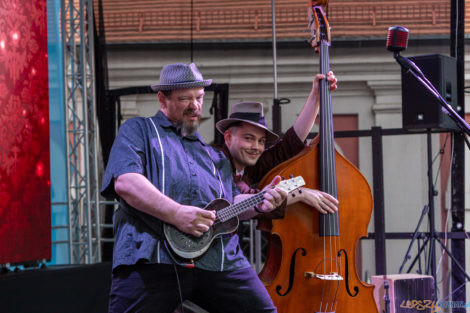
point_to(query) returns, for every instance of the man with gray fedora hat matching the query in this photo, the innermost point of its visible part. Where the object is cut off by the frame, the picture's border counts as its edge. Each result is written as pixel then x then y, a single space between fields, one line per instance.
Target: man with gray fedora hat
pixel 247 140
pixel 161 172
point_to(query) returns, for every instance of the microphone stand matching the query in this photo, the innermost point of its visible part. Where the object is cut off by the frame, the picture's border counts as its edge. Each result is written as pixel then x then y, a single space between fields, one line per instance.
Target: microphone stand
pixel 411 67
pixel 416 234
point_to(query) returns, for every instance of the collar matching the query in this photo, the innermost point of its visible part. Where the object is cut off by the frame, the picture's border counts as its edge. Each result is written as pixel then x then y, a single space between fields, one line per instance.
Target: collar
pixel 161 119
pixel 239 174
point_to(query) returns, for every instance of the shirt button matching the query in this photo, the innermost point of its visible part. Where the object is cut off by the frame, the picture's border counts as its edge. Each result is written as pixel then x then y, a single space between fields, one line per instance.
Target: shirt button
pixel 194 174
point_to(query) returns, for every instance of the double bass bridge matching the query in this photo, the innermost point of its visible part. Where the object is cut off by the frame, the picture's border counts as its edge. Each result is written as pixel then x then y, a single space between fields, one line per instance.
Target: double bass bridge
pixel 331 276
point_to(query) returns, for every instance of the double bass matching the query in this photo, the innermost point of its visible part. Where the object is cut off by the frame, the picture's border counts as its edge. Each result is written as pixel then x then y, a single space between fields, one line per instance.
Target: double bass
pixel 310 265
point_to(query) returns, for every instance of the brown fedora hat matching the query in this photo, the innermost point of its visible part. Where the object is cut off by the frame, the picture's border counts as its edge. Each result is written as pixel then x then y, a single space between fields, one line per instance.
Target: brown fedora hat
pixel 247 112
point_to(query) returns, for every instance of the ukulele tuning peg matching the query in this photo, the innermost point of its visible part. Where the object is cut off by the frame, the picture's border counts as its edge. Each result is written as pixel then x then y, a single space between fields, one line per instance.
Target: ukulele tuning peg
pixel 283 177
pixel 293 195
pixel 291 176
pixel 300 190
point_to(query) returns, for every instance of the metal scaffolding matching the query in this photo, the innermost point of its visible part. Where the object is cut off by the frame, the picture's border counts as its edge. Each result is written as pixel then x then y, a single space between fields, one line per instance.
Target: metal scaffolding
pixel 81 132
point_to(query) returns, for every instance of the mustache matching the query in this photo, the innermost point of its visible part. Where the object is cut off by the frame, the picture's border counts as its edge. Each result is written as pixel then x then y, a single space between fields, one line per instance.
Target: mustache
pixel 191 112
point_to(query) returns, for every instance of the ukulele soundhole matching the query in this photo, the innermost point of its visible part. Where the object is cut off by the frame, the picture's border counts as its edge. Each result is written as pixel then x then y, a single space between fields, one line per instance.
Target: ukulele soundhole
pixel 190 243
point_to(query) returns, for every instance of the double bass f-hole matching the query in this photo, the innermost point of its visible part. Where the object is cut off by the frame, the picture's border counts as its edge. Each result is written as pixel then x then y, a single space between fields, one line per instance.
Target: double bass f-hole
pixel 348 290
pixel 308 275
pixel 291 273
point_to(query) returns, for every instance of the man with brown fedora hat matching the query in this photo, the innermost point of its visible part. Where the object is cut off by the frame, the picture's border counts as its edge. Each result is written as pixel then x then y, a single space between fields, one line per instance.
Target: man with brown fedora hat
pixel 247 140
pixel 162 173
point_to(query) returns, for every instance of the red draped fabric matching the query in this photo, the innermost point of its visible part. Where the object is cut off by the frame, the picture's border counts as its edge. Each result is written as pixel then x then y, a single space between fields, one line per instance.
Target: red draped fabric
pixel 25 226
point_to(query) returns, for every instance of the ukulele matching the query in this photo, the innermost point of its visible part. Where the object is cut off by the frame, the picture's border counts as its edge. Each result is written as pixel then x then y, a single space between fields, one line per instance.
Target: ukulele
pixel 187 246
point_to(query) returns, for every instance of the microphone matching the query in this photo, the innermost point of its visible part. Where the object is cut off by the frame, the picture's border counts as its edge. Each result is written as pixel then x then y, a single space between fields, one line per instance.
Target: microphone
pixel 397 38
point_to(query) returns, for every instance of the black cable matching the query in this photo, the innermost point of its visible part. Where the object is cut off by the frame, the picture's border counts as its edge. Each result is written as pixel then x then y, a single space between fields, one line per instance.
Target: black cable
pixel 176 272
pixel 441 152
pixel 191 31
pixel 179 287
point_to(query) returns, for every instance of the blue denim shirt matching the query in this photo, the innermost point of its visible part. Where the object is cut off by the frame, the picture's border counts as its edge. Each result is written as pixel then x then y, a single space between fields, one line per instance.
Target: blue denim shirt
pixel 183 168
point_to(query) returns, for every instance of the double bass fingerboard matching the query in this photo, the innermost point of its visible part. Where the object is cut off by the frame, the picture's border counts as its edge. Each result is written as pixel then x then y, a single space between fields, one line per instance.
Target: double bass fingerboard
pixel 329 223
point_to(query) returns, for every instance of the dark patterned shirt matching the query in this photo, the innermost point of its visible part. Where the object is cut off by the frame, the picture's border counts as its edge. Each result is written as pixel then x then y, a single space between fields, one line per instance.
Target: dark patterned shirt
pixel 184 169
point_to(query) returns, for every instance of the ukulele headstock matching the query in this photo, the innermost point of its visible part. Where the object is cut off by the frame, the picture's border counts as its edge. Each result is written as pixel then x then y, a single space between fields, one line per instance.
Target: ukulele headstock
pixel 292 184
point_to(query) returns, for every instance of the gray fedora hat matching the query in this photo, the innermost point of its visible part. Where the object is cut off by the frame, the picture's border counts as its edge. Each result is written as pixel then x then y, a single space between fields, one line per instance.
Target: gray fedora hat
pixel 247 112
pixel 180 76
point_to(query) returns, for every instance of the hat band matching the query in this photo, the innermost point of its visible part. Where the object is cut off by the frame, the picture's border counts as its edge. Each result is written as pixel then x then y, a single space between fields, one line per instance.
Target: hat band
pixel 253 117
pixel 180 82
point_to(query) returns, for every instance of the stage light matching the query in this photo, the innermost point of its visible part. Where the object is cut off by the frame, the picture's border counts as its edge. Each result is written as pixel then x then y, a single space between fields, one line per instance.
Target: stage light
pixel 2 44
pixel 15 36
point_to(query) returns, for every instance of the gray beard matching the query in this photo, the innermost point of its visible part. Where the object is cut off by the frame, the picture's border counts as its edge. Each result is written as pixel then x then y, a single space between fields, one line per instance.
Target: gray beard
pixel 188 130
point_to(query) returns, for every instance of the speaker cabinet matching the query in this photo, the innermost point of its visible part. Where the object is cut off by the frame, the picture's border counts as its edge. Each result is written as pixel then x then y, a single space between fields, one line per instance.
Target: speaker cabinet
pixel 408 293
pixel 420 109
